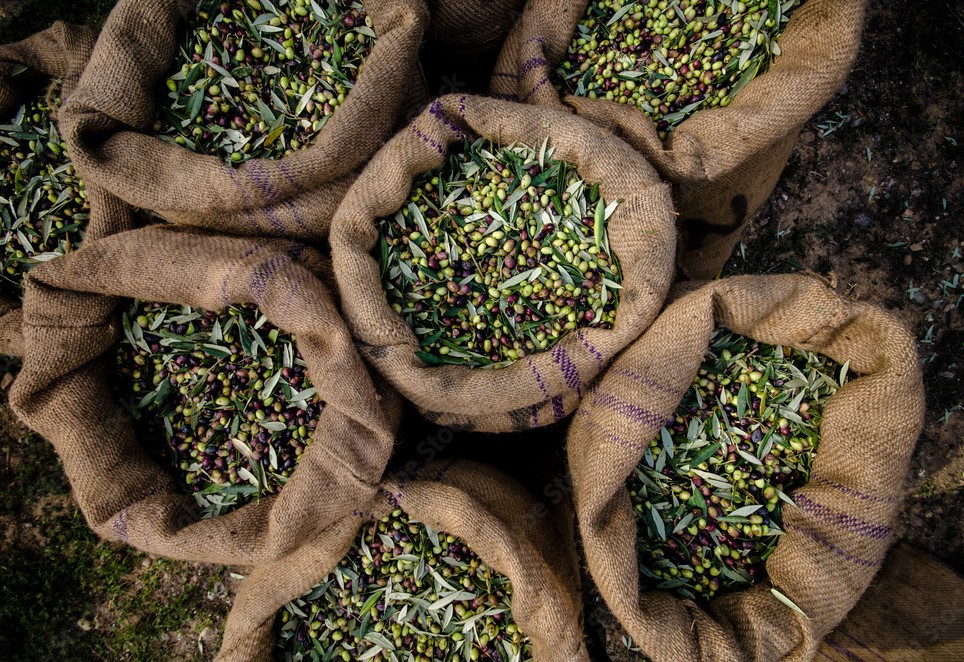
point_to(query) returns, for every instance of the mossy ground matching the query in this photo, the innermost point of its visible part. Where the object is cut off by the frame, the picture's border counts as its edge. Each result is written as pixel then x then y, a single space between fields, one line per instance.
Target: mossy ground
pixel 66 595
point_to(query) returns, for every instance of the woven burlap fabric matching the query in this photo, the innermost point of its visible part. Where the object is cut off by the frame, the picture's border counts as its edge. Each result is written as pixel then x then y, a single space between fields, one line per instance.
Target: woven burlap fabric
pixel 59 52
pixel 472 27
pixel 913 612
pixel 491 512
pixel 64 390
pixel 108 125
pixel 11 342
pixel 542 388
pixel 722 163
pixel 837 536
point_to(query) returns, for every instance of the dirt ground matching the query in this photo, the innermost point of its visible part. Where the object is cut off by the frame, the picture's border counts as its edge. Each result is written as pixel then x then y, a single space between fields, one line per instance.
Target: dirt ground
pixel 872 195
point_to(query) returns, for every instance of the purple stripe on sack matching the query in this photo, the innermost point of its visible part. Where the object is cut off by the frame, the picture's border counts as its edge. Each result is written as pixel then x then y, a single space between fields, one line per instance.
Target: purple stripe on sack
pixel 395 499
pixel 462 106
pixel 361 514
pixel 843 651
pixel 646 381
pixel 531 64
pixel 435 110
pixel 268 191
pixel 296 214
pixel 592 350
pixel 426 139
pixel 558 410
pixel 286 173
pixel 833 548
pixel 542 387
pixel 543 81
pixel 273 220
pixel 252 216
pixel 257 248
pixel 295 211
pixel 633 412
pixel 858 526
pixel 610 435
pixel 264 272
pixel 568 368
pixel 540 40
pixel 290 299
pixel 120 525
pixel 850 491
pixel 862 645
pixel 259 178
pixel 535 373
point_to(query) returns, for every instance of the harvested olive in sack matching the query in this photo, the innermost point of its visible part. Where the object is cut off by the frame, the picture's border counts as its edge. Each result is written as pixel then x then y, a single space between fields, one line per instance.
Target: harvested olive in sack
pixel 45 207
pixel 489 234
pixel 257 114
pixel 713 93
pixel 450 561
pixel 225 385
pixel 408 592
pixel 710 490
pixel 498 254
pixel 685 463
pixel 259 80
pixel 671 64
pixel 223 394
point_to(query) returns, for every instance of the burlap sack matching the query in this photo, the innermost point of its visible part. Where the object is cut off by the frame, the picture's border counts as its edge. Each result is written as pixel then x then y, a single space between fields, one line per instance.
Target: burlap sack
pixel 488 510
pixel 472 27
pixel 722 163
pixel 58 52
pixel 108 125
pixel 838 535
pixel 64 393
pixel 542 388
pixel 913 612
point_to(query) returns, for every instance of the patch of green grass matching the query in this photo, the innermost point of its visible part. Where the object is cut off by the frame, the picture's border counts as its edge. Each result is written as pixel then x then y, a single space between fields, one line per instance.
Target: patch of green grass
pixel 55 574
pixel 34 472
pixel 143 618
pixel 45 590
